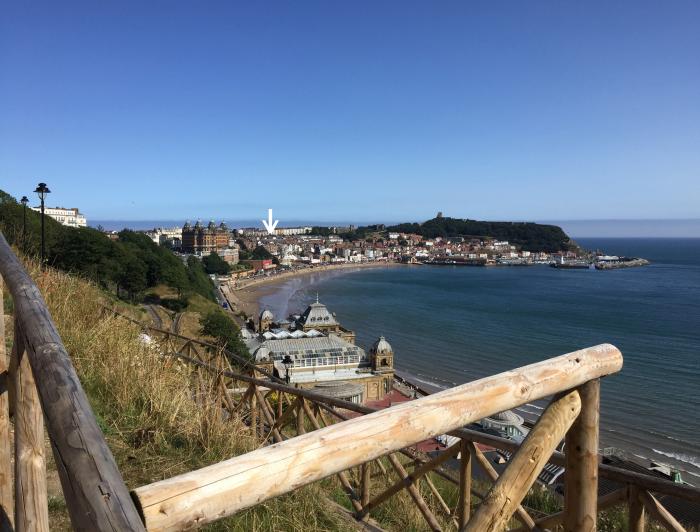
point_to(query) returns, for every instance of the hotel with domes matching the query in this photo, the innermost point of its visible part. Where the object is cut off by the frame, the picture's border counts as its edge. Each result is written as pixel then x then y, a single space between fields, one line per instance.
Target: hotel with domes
pixel 313 351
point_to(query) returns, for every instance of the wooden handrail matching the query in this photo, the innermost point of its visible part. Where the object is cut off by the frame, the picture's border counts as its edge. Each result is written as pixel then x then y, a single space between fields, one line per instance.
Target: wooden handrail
pixel 95 493
pixel 583 435
pixel 606 471
pixel 210 493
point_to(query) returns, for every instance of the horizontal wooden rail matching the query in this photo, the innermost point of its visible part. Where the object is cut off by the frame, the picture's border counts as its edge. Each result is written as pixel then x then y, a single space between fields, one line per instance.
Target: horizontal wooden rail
pixel 213 492
pixel 95 493
pixel 622 476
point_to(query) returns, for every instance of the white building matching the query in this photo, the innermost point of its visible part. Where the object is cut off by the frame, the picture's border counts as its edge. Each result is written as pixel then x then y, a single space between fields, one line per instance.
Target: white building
pixel 290 231
pixel 69 217
pixel 171 236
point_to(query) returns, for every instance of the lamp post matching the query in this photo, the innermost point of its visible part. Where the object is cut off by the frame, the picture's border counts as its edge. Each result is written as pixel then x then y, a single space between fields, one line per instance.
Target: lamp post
pixel 288 363
pixel 24 202
pixel 42 190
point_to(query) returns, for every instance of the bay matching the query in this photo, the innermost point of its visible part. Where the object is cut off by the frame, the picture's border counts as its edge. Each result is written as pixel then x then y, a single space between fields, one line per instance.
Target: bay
pixel 450 325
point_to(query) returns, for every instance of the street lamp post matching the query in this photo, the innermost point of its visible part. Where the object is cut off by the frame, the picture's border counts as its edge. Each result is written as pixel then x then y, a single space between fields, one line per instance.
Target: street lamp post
pixel 42 190
pixel 288 363
pixel 24 202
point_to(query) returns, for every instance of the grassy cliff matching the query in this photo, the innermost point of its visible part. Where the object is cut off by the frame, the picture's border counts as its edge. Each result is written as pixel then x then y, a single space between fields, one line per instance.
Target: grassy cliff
pixel 144 406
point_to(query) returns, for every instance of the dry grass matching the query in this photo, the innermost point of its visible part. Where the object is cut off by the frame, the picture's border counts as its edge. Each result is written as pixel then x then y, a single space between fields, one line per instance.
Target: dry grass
pixel 145 407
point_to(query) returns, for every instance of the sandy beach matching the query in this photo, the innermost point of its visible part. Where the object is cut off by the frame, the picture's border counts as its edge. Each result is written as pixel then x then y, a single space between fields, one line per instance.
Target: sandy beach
pixel 245 297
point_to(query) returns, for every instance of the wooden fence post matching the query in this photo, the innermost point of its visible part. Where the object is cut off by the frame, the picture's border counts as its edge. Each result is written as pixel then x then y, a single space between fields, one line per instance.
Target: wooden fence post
pixel 254 411
pixel 636 510
pixel 520 512
pixel 300 417
pixel 31 501
pixel 366 479
pixel 415 495
pixel 581 480
pixel 465 483
pixel 503 498
pixel 6 500
pixel 267 413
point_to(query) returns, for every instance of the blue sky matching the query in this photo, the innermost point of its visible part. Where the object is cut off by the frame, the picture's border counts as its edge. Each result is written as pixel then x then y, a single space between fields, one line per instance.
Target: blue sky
pixel 362 111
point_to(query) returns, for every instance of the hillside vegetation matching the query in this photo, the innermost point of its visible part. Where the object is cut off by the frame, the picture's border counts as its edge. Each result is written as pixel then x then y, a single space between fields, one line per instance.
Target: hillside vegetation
pixel 145 407
pixel 127 266
pixel 526 235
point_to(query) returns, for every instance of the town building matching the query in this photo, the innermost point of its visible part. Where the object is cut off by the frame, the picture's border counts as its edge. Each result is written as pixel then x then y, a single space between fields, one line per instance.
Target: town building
pixel 313 351
pixel 69 217
pixel 258 265
pixel 201 240
pixel 171 236
pixel 230 255
pixel 290 231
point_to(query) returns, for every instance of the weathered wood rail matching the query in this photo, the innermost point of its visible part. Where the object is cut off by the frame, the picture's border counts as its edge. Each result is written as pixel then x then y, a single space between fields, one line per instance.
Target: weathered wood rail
pixel 312 437
pixel 278 412
pixel 40 386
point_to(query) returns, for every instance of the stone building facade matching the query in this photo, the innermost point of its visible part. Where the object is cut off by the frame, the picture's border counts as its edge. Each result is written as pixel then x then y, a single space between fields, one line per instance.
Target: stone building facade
pixel 315 352
pixel 201 240
pixel 69 217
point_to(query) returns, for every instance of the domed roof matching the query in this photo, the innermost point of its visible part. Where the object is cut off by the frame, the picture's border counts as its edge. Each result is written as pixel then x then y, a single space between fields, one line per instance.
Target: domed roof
pixel 507 417
pixel 382 346
pixel 266 315
pixel 187 225
pixel 198 224
pixel 262 354
pixel 316 314
pixel 211 225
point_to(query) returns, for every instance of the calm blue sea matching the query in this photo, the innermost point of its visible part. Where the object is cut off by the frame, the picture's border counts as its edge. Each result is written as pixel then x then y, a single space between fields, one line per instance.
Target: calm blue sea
pixel 450 325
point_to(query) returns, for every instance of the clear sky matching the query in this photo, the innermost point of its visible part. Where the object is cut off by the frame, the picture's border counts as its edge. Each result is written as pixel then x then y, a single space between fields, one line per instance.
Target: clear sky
pixel 358 111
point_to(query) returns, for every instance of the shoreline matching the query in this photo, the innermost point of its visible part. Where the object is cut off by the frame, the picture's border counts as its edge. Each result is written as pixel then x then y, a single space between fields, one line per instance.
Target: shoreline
pixel 654 449
pixel 245 296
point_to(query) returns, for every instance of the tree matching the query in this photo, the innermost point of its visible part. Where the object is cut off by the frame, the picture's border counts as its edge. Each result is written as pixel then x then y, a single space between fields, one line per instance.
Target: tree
pixel 227 334
pixel 214 264
pixel 198 278
pixel 133 277
pixel 260 253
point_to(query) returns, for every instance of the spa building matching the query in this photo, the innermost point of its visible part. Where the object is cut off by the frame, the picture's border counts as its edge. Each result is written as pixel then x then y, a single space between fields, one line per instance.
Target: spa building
pixel 321 355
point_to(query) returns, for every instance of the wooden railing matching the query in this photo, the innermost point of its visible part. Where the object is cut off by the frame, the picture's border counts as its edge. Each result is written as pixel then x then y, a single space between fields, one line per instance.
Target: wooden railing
pixel 279 412
pixel 314 437
pixel 39 384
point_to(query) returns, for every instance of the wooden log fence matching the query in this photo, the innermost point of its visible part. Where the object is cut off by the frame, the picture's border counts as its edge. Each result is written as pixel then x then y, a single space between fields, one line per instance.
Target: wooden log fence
pixel 356 443
pixel 46 389
pixel 286 413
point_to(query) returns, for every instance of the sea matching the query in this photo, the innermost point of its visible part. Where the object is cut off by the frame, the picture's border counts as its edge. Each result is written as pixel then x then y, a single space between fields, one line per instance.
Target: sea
pixel 449 325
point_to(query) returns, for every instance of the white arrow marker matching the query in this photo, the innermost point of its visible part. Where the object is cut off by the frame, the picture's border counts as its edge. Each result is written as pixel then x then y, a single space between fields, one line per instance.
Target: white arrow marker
pixel 268 223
